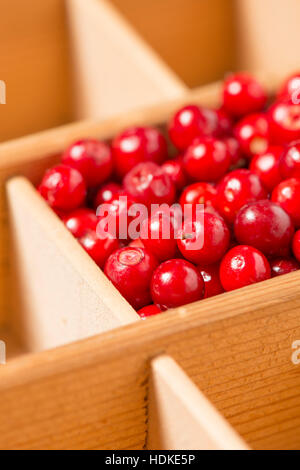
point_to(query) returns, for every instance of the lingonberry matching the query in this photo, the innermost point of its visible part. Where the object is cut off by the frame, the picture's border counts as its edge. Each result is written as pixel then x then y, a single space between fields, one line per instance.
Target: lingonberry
pixel 243 265
pixel 136 145
pixel 284 123
pixel 158 236
pixel 237 189
pixel 265 226
pixel 106 193
pixel 211 279
pixel 174 168
pixel 92 158
pixel 191 122
pixel 287 195
pixel 252 133
pixel 207 159
pixel 176 282
pixel 280 266
pixel 99 249
pixel 225 123
pixel 290 89
pixel 204 241
pixel 266 166
pixel 148 184
pixel 296 245
pixel 234 150
pixel 63 188
pixel 199 193
pixel 130 270
pixel 242 95
pixel 149 311
pixel 80 221
pixel 289 164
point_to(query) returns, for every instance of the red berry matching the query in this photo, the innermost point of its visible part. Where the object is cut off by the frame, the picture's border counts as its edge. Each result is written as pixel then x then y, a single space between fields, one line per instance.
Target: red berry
pixel 290 89
pixel 252 134
pixel 289 165
pixel 266 166
pixel 296 245
pixel 148 311
pixel 114 215
pixel 280 266
pixel 148 184
pixel 106 193
pixel 237 189
pixel 211 279
pixel 234 150
pixel 174 168
pixel 176 282
pixel 158 236
pixel 204 241
pixel 243 265
pixel 63 188
pixel 265 226
pixel 191 122
pixel 199 193
pixel 130 270
pixel 207 159
pixel 284 120
pixel 243 95
pixel 225 123
pixel 99 249
pixel 80 221
pixel 287 195
pixel 136 145
pixel 92 158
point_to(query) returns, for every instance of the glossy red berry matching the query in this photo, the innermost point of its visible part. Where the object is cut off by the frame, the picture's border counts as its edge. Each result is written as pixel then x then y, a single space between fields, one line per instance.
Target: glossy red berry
pixel 225 123
pixel 296 245
pixel 158 236
pixel 237 189
pixel 287 195
pixel 284 123
pixel 99 249
pixel 175 169
pixel 280 266
pixel 252 133
pixel 199 193
pixel 234 150
pixel 130 270
pixel 207 159
pixel 211 279
pixel 290 89
pixel 242 95
pixel 243 265
pixel 176 282
pixel 289 165
pixel 191 122
pixel 266 166
pixel 92 158
pixel 63 188
pixel 148 184
pixel 204 241
pixel 115 217
pixel 106 193
pixel 265 226
pixel 149 311
pixel 136 145
pixel 80 221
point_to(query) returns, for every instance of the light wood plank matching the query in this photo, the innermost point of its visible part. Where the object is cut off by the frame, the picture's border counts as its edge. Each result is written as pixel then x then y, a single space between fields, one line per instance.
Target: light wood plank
pixel 64 296
pixel 181 417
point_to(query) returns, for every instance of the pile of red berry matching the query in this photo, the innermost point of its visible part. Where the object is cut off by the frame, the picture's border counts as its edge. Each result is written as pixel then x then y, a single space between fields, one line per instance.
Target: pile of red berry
pixel 242 162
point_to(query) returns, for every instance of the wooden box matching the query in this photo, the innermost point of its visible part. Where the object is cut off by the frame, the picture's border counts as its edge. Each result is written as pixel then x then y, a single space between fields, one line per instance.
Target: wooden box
pixel 122 383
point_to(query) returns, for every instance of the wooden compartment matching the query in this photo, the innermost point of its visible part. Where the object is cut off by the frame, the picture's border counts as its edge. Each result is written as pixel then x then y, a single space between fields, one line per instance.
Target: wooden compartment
pixel 114 390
